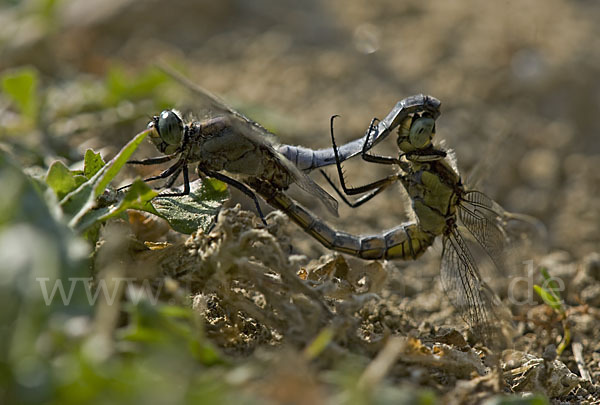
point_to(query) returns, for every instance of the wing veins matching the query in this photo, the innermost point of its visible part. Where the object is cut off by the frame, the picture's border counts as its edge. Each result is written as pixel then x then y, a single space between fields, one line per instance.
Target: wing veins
pixel 463 285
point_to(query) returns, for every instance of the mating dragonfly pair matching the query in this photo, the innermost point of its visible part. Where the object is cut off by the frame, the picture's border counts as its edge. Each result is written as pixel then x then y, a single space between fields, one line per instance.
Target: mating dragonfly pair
pixel 230 142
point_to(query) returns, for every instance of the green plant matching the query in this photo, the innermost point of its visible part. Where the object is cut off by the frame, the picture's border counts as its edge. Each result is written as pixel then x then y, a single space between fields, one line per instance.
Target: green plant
pixel 86 201
pixel 549 292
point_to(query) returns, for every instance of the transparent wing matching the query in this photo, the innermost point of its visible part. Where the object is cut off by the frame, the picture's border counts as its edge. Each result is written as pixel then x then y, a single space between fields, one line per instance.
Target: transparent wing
pixel 485 219
pixel 259 136
pixel 307 184
pixel 498 230
pixel 264 139
pixel 300 178
pixel 470 295
pixel 215 104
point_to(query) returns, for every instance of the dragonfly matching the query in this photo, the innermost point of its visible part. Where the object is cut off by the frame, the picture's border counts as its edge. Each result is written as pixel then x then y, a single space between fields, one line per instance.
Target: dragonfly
pixel 231 142
pixel 307 159
pixel 440 202
pixel 220 144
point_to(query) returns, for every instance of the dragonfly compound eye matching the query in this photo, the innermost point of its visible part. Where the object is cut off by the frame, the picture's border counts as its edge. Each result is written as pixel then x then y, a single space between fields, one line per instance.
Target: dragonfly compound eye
pixel 170 127
pixel 421 132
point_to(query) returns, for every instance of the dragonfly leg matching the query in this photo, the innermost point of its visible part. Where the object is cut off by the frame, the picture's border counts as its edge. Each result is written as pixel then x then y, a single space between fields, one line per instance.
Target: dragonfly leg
pixel 428 155
pixel 153 161
pixel 385 160
pixel 338 164
pixel 186 184
pixel 172 179
pixel 336 153
pixel 163 175
pixel 240 186
pixel 374 188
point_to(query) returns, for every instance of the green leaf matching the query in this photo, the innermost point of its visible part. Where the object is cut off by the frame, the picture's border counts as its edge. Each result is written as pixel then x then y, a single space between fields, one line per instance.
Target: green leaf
pixel 175 311
pixel 550 283
pixel 21 87
pixel 92 163
pixel 115 165
pixel 197 210
pixel 548 298
pixel 62 180
pixel 88 218
pixel 138 197
pixel 36 251
pixel 545 273
pixel 215 189
pixel 81 201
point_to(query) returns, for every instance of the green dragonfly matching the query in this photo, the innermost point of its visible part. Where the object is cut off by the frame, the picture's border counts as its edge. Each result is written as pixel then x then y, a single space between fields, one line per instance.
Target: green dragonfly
pixel 440 202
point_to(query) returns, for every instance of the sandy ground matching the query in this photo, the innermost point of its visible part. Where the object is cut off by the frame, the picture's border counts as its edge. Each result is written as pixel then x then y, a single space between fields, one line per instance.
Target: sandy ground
pixel 518 81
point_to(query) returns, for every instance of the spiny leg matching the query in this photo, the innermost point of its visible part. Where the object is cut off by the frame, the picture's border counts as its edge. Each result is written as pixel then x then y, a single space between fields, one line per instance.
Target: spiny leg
pixel 172 179
pixel 240 186
pixel 385 160
pixel 163 175
pixel 186 184
pixel 375 187
pixel 356 190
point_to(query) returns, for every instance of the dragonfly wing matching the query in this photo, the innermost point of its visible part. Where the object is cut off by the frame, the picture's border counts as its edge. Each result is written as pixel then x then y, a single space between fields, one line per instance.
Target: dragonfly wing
pixel 307 184
pixel 214 103
pixel 470 295
pixel 261 137
pixel 485 219
pixel 258 134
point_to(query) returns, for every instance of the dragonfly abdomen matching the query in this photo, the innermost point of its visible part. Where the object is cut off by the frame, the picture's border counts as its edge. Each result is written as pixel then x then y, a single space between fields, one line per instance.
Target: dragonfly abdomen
pixel 407 241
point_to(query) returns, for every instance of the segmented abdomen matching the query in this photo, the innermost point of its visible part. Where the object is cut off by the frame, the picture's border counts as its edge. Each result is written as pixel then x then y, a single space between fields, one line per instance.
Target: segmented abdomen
pixel 406 241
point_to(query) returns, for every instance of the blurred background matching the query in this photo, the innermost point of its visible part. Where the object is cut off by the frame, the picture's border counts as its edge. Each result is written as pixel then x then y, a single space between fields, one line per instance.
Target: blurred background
pixel 520 90
pixel 518 82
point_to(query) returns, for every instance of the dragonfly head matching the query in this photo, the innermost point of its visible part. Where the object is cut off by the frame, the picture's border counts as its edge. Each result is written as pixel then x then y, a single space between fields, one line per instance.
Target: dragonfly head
pixel 168 131
pixel 416 133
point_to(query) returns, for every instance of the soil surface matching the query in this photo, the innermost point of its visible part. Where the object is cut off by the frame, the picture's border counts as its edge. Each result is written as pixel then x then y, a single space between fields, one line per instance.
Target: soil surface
pixel 519 86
